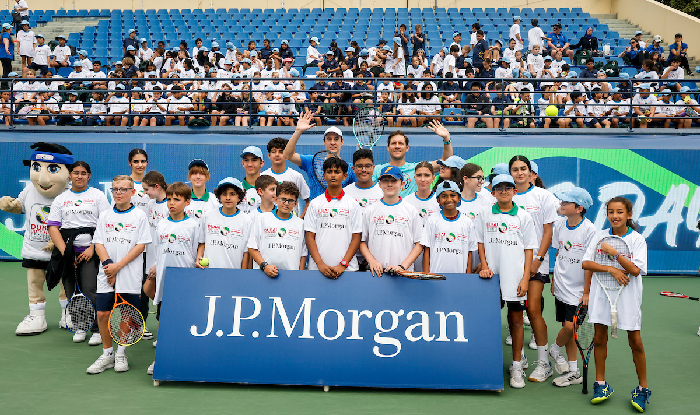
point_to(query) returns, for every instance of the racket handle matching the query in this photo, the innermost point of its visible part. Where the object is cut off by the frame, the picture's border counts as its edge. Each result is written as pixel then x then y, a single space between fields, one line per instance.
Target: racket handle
pixel 694 298
pixel 584 390
pixel 613 324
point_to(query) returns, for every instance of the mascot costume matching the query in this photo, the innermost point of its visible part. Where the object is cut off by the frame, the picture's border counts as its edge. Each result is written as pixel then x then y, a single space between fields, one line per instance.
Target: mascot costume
pixel 48 172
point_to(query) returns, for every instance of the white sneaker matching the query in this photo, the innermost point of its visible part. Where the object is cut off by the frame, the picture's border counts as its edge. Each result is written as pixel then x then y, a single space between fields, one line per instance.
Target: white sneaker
pixel 147 335
pixel 120 363
pixel 62 323
pixel 517 378
pixel 542 372
pixel 561 365
pixel 523 362
pixel 533 344
pixel 509 340
pixel 698 331
pixel 79 336
pixel 150 368
pixel 154 343
pixel 33 323
pixel 526 319
pixel 102 363
pixel 95 339
pixel 568 378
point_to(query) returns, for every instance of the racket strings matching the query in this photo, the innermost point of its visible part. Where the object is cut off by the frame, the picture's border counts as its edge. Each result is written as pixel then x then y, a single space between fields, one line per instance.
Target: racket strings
pixel 317 162
pixel 126 324
pixel 584 334
pixel 368 126
pixel 81 312
pixel 605 278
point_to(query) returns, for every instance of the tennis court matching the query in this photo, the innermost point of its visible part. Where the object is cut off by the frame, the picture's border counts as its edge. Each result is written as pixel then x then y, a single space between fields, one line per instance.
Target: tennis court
pixel 46 373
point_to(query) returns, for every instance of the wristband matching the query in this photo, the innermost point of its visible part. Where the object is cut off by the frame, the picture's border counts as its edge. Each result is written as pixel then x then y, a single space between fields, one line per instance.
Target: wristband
pixel 107 262
pixel 616 256
pixel 446 142
pixel 263 265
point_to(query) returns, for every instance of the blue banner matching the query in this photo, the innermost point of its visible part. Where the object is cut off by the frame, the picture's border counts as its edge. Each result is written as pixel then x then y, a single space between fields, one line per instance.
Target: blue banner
pixel 302 328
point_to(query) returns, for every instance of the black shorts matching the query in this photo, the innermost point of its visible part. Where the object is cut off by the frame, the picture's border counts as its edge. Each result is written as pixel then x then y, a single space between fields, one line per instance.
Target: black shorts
pixel 160 119
pixel 105 301
pixel 514 305
pixel 541 277
pixel 564 312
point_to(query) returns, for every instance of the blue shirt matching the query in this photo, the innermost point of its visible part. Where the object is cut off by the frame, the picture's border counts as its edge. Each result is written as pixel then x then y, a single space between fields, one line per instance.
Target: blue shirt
pixel 409 181
pixel 651 49
pixel 315 187
pixel 558 40
pixel 674 46
pixel 3 53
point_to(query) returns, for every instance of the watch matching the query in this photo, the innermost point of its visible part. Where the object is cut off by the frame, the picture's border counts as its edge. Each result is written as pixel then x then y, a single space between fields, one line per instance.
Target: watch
pixel 539 258
pixel 344 263
pixel 616 256
pixel 263 265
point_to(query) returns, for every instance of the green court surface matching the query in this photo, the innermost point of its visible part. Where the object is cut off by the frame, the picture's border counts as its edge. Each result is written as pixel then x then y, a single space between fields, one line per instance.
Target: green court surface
pixel 46 373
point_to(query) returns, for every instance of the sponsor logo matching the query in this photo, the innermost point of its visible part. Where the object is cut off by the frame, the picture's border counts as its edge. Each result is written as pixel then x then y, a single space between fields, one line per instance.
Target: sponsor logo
pixel 42 214
pixel 502 228
pixel 451 237
pixel 281 232
pixel 362 202
pixel 567 245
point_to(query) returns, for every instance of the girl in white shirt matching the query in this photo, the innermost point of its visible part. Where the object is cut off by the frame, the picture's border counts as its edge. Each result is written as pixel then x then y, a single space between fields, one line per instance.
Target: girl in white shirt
pixel 429 104
pixel 407 106
pixel 423 199
pixel 474 201
pixel 398 63
pixel 27 41
pixel 535 61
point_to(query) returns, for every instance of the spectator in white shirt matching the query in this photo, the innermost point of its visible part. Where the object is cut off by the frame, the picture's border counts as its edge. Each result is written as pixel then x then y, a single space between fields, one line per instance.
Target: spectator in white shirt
pixel 643 106
pixel 71 111
pixel 41 55
pixel 178 105
pixel 515 33
pixel 144 53
pixel 61 54
pixel 535 36
pixel 673 73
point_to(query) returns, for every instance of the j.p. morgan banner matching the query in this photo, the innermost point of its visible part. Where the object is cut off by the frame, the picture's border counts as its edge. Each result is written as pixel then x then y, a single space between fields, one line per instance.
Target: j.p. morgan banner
pixel 305 329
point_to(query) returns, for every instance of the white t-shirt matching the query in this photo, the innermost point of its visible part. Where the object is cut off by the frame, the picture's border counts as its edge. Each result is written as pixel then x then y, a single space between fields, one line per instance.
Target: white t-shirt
pixel 26 42
pixel 36 210
pixel 156 212
pixel 364 197
pixel 119 233
pixel 571 244
pixel 515 30
pixel 334 222
pixel 312 54
pixel 226 238
pixel 199 207
pixel 644 104
pixel 280 241
pixel 425 207
pixel 41 54
pixel 177 243
pixel 541 206
pixel 251 200
pixel 438 63
pixel 417 72
pixel 450 241
pixel 78 210
pixel 629 305
pixel 291 175
pixel 537 62
pixel 429 105
pixel 61 52
pixel 505 237
pixel 677 74
pixel 534 37
pixel 449 65
pixel 391 231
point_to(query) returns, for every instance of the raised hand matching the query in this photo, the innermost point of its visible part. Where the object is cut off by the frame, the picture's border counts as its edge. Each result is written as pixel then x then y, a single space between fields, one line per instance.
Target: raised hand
pixel 439 129
pixel 306 121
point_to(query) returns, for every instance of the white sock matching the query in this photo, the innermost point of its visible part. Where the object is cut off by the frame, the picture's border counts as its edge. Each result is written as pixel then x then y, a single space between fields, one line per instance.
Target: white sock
pixel 35 307
pixel 572 366
pixel 600 382
pixel 108 351
pixel 63 303
pixel 121 349
pixel 516 365
pixel 522 353
pixel 555 348
pixel 542 353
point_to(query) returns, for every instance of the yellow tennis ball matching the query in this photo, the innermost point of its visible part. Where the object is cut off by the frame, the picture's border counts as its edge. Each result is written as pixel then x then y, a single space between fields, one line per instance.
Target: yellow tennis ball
pixel 204 262
pixel 551 111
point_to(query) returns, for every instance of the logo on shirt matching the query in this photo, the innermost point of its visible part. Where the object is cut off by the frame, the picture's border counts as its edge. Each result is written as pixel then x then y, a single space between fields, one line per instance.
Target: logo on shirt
pixel 281 232
pixel 567 245
pixel 172 238
pixel 390 219
pixel 251 201
pixel 42 214
pixel 450 237
pixel 502 228
pixel 423 213
pixel 362 202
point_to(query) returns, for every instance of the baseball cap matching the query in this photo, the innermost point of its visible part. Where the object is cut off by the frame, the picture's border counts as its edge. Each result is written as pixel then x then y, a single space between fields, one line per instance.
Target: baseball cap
pixel 284 42
pixel 73 93
pixel 57 37
pixel 287 60
pixel 24 22
pixel 657 38
pixel 548 58
pixel 143 39
pixel 197 162
pixel 230 45
pixel 502 178
pixel 386 47
pixel 130 48
pixel 203 49
pixel 576 195
pixel 646 85
pixel 43 88
pixel 615 90
pixel 333 130
pixel 77 64
pixel 12 74
pixel 294 72
pixel 516 18
pixel 452 161
pixel 456 34
pixel 245 60
pixel 119 86
pixel 275 49
pixel 9 26
pixel 527 74
pixel 638 32
pixel 231 182
pixel 533 166
pixel 228 62
pixel 286 95
pixel 365 52
pixel 136 89
pixel 253 53
pixel 500 168
pixel 625 75
pixel 252 150
pixel 350 49
pixel 330 52
pixel 40 35
pixel 601 72
pixel 397 39
pixel 684 89
pixel 118 62
pixel 83 52
pixel 214 44
pixel 315 39
pixel 447 186
pixel 131 31
pixel 391 171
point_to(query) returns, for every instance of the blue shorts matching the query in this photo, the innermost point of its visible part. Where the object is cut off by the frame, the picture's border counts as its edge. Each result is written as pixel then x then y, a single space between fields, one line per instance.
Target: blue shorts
pixel 105 301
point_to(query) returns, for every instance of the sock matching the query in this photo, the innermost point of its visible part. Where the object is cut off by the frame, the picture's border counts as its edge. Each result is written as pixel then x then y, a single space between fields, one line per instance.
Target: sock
pixel 108 351
pixel 121 349
pixel 600 382
pixel 555 348
pixel 35 307
pixel 63 303
pixel 522 353
pixel 542 353
pixel 572 366
pixel 516 365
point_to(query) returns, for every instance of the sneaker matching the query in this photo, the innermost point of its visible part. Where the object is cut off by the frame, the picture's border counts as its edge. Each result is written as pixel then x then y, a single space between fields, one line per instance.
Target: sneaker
pixel 147 335
pixel 79 336
pixel 517 378
pixel 523 362
pixel 533 344
pixel 509 340
pixel 102 363
pixel 561 365
pixel 542 372
pixel 640 398
pixel 120 363
pixel 33 323
pixel 150 368
pixel 95 339
pixel 601 392
pixel 62 324
pixel 568 378
pixel 154 343
pixel 526 320
pixel 698 331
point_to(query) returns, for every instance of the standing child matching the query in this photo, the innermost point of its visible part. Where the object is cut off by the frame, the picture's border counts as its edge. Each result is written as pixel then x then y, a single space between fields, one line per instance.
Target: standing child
pixel 573 233
pixel 448 237
pixel 252 161
pixel 474 200
pixel 266 188
pixel 277 238
pixel 423 199
pixel 138 161
pixel 282 173
pixel 120 238
pixel 226 230
pixel 507 238
pixel 27 42
pixel 201 201
pixel 629 304
pixel 333 222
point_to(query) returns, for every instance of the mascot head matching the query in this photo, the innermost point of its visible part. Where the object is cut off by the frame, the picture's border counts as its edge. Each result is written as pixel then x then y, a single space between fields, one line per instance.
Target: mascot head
pixel 48 168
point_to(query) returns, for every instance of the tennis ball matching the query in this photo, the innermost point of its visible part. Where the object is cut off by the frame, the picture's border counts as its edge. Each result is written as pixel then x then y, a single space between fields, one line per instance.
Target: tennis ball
pixel 551 111
pixel 687 98
pixel 204 262
pixel 499 112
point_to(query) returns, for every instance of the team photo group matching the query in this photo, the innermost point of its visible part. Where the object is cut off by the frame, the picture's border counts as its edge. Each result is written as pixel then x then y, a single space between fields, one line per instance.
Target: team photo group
pixel 414 219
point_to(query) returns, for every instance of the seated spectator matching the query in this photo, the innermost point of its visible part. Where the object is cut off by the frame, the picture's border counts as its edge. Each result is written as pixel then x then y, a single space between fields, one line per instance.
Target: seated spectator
pixel 524 107
pixel 680 50
pixel 643 106
pixel 71 111
pixel 387 108
pixel 157 106
pixel 285 50
pixel 673 73
pixel 361 92
pixel 314 106
pixel 648 73
pixel 619 108
pixel 589 71
pixel 428 105
pixel 655 46
pixel 509 52
pixel 574 111
pixel 558 42
pixel 179 105
pixel 438 60
pixel 632 54
pixel 118 106
pixel 40 61
pixel 535 61
pixel 407 108
pixel 503 70
pixel 341 96
pixel 597 110
pixel 350 58
pixel 477 107
pixel 549 97
pixel 415 69
pixel 287 111
pixel 588 42
pixel 689 108
pixel 500 104
pixel 448 91
pixel 246 107
pixel 202 109
pixel 330 64
pixel 666 110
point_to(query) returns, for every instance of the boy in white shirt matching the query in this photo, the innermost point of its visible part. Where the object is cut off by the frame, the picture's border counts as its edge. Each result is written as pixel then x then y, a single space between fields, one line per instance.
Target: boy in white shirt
pixel 277 238
pixel 619 108
pixel 144 53
pixel 643 105
pixel 71 111
pixel 687 106
pixel 41 55
pixel 282 173
pixel 673 73
pixel 265 196
pixel 597 109
pixel 574 108
pixel 179 104
pixel 61 54
pixel 252 162
pixel 515 33
pixel 120 238
pixel 535 36
pixel 535 61
pixel 507 237
pixel 333 221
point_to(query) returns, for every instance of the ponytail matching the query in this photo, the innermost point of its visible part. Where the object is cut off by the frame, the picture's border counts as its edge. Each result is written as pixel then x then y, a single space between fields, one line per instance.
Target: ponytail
pixel 628 206
pixel 539 182
pixel 153 178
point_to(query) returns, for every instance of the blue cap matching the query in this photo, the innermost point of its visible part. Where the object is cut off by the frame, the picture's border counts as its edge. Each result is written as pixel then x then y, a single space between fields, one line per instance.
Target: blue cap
pixel 615 90
pixel 143 39
pixel 118 63
pixel 286 95
pixel 447 185
pixel 314 38
pixel 527 74
pixel 500 168
pixel 87 83
pixel 284 42
pixel 153 73
pixel 231 182
pixel 697 69
pixel 119 86
pixel 252 150
pixel 455 34
pixel 350 49
pixel 246 60
pixel 43 88
pixel 294 72
pixel 253 53
pixel 83 52
pixel 230 45
pixel 516 72
pixel 571 74
pixel 75 94
pixel 533 166
pixel 645 85
pixel 197 162
pixel 136 89
pixel 576 195
pixel 58 37
pixel 391 171
pixel 502 178
pixel 77 64
pixel 7 26
pixel 453 161
pixel 365 52
pixel 130 48
pixel 214 44
pixel 516 18
pixel 228 62
pixel 275 49
pixel 330 52
pixel 684 89
pixel 39 35
pixel 469 60
pixel 625 75
pixel 638 32
pixel 386 47
pixel 548 58
pixel 24 22
pixel 397 39
pixel 131 31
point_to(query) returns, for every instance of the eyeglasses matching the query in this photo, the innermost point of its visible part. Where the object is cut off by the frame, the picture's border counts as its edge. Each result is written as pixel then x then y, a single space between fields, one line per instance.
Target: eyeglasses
pixel 365 166
pixel 283 201
pixel 478 178
pixel 504 189
pixel 121 190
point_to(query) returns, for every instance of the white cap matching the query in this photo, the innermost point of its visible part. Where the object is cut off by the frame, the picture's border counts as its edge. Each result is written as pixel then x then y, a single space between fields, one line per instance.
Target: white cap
pixel 333 130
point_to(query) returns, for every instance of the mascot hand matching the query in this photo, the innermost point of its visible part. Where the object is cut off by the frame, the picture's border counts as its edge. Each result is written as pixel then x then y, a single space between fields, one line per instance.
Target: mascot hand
pixel 10 205
pixel 48 247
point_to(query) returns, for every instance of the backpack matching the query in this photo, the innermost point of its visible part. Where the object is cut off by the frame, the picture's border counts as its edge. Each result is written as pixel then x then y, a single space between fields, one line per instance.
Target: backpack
pixel 581 56
pixel 598 65
pixel 612 69
pixel 199 122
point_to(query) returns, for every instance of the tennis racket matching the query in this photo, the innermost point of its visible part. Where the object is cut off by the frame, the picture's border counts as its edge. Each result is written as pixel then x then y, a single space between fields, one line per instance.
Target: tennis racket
pixel 126 323
pixel 80 310
pixel 607 282
pixel 368 127
pixel 317 162
pixel 677 295
pixel 583 335
pixel 415 275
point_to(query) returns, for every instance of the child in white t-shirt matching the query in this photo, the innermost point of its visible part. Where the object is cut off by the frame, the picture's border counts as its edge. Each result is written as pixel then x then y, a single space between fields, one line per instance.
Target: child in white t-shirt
pixel 283 173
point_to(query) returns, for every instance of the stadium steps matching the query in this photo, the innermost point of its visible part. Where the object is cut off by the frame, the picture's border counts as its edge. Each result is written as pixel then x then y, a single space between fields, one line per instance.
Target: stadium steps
pixel 59 26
